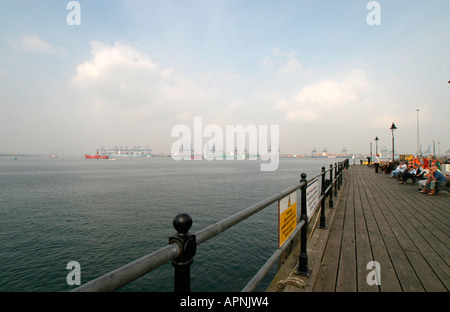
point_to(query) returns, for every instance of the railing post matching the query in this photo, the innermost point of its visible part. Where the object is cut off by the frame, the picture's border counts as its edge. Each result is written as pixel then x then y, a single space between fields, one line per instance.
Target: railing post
pixel 188 247
pixel 303 257
pixel 336 178
pixel 322 208
pixel 340 176
pixel 331 189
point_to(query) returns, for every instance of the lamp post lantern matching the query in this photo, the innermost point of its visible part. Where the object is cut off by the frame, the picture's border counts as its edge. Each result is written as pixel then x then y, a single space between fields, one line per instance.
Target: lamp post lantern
pixel 393 127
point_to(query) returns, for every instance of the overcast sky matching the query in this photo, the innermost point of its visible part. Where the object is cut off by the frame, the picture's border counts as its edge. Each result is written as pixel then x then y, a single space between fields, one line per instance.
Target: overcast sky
pixel 134 69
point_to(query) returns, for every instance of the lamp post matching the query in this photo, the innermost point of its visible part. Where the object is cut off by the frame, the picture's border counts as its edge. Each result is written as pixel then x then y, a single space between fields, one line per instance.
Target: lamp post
pixel 376 146
pixel 418 149
pixel 393 127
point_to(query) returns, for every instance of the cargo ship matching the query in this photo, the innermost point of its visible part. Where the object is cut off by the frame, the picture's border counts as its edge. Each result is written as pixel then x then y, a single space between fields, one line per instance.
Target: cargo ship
pixel 96 156
pixel 126 151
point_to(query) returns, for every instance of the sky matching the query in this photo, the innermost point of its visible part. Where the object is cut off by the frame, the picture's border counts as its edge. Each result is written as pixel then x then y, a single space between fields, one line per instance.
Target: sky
pixel 329 73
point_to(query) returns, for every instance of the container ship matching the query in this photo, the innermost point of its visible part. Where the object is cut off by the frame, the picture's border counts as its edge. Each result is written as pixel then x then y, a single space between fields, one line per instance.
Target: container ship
pixel 125 151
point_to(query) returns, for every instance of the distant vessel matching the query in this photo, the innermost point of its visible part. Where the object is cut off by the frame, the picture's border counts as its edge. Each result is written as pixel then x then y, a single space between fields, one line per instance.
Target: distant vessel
pixel 121 151
pixel 53 156
pixel 96 156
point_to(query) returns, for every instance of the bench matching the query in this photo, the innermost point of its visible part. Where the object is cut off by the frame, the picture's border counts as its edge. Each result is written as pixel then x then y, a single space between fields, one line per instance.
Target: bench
pixel 443 188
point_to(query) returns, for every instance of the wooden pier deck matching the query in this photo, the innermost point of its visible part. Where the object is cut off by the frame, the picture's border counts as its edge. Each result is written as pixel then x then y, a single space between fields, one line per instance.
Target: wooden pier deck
pixel 377 219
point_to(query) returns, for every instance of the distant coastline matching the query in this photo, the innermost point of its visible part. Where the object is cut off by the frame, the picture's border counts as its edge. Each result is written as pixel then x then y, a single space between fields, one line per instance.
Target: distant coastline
pixel 18 155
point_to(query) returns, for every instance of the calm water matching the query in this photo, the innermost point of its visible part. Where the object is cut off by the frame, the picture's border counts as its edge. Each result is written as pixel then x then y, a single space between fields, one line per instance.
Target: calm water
pixel 105 214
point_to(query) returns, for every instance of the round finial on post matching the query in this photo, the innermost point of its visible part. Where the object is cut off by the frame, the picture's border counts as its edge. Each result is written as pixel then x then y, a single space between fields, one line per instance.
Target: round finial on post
pixel 187 244
pixel 323 168
pixel 182 223
pixel 303 179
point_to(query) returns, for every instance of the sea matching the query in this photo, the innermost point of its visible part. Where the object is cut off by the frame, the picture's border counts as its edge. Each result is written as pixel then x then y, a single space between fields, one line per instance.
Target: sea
pixel 104 214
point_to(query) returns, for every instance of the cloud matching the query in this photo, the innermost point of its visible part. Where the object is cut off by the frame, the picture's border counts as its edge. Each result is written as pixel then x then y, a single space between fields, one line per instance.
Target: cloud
pixel 324 97
pixel 184 116
pixel 284 63
pixel 2 74
pixel 119 63
pixel 233 107
pixel 125 77
pixel 34 44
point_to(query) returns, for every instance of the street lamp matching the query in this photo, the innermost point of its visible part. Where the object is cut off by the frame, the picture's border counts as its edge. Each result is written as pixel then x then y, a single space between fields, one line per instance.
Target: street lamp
pixel 418 148
pixel 376 146
pixel 393 127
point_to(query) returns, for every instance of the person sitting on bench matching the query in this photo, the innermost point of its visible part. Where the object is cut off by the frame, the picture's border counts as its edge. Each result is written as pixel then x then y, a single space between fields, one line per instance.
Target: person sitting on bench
pixel 399 170
pixel 420 172
pixel 409 173
pixel 434 177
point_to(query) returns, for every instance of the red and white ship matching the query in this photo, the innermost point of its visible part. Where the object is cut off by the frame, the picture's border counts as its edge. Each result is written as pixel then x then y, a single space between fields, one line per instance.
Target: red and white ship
pixel 96 156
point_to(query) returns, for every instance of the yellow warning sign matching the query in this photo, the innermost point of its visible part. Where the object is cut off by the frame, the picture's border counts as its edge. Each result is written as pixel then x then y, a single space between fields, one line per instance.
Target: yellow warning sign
pixel 287 217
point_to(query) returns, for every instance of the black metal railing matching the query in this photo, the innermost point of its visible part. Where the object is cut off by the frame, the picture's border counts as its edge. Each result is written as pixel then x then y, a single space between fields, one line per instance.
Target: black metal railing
pixel 183 245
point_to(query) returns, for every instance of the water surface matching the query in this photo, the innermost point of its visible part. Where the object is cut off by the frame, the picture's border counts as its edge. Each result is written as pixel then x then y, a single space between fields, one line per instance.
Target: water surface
pixel 105 214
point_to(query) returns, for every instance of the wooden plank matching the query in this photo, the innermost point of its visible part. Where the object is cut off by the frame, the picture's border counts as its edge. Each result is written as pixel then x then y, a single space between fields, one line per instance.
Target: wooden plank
pixel 420 207
pixel 363 249
pixel 430 208
pixel 403 269
pixel 435 253
pixel 406 204
pixel 378 219
pixel 346 279
pixel 431 229
pixel 389 280
pixel 411 241
pixel 326 277
pixel 432 271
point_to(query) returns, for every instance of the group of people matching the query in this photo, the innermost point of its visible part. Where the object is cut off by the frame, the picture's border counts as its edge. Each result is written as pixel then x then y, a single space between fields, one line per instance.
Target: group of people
pixel 428 172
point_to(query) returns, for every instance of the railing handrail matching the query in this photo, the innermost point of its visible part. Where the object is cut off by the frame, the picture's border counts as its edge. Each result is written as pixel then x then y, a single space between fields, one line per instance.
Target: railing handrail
pixel 126 274
pixel 144 265
pixel 253 283
pixel 228 222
